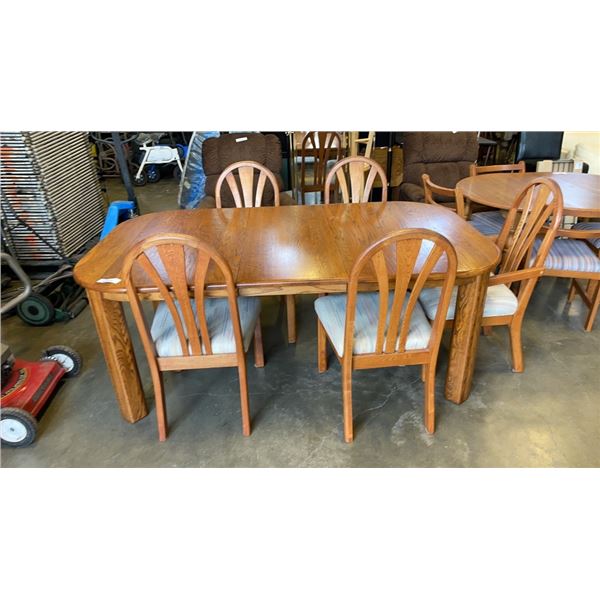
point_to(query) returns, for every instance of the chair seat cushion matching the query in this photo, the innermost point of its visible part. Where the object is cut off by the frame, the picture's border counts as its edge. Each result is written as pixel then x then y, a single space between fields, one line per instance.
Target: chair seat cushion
pixel 489 222
pixel 590 227
pixel 567 254
pixel 218 320
pixel 331 311
pixel 499 301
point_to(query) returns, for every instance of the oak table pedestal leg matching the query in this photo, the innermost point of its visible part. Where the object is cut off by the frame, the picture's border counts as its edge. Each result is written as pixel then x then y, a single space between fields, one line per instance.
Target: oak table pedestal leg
pixel 118 353
pixel 290 303
pixel 465 337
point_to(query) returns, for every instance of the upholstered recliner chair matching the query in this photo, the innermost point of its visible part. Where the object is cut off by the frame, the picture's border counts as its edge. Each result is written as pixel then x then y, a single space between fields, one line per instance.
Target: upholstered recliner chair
pixel 443 155
pixel 220 152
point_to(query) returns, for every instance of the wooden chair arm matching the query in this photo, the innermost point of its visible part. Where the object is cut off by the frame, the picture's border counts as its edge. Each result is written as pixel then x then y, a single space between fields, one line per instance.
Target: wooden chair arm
pixel 437 189
pixel 578 234
pixel 431 188
pixel 504 278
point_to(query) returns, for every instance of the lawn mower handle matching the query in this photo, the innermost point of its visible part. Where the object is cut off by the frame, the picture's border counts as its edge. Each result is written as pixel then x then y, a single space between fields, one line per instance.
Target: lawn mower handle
pixel 16 267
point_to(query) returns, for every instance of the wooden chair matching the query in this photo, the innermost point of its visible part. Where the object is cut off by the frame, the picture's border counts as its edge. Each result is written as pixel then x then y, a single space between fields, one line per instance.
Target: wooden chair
pixel 575 254
pixel 190 334
pixel 486 169
pixel 536 204
pixel 388 328
pixel 434 194
pixel 362 173
pixel 354 142
pixel 321 147
pixel 251 196
pixel 489 222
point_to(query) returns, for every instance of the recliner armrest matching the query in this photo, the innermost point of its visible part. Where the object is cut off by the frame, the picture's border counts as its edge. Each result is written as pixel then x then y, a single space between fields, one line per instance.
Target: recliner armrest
pixel 411 191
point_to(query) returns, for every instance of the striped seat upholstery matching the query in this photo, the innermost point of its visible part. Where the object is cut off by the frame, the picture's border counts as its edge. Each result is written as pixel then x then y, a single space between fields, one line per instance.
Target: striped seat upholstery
pixel 499 301
pixel 590 227
pixel 570 255
pixel 218 320
pixel 489 222
pixel 332 314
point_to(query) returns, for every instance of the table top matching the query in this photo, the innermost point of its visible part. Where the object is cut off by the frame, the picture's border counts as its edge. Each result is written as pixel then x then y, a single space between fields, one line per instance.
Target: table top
pixel 288 248
pixel 581 191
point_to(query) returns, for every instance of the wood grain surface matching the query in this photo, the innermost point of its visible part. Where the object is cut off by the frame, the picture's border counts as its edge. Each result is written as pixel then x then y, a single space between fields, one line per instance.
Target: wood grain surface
pixel 118 351
pixel 581 191
pixel 284 250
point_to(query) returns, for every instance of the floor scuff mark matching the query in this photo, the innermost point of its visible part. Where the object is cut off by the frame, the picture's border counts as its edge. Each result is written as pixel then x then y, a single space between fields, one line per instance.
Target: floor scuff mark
pixel 410 419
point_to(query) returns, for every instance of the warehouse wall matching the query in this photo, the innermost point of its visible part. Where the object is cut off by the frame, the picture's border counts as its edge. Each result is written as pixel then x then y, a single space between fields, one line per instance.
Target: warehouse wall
pixel 584 145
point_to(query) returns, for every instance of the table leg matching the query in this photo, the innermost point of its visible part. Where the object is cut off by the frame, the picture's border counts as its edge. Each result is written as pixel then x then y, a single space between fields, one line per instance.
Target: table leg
pixel 465 337
pixel 290 303
pixel 118 353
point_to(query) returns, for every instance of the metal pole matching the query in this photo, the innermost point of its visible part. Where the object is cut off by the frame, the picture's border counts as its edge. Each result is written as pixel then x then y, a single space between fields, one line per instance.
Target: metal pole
pixel 116 138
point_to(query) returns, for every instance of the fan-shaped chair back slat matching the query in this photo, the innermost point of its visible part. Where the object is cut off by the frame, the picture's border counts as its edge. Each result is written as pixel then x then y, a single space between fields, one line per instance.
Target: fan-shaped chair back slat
pixel 202 264
pixel 540 201
pixel 403 249
pixel 167 260
pixel 432 259
pixel 324 146
pixel 361 172
pixel 242 186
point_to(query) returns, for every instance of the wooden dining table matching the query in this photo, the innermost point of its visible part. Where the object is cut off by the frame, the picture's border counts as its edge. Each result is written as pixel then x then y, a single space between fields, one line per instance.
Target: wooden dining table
pixel 581 191
pixel 279 251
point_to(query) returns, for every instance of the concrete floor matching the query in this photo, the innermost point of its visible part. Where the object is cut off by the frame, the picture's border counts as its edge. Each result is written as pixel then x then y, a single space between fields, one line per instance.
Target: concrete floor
pixel 548 416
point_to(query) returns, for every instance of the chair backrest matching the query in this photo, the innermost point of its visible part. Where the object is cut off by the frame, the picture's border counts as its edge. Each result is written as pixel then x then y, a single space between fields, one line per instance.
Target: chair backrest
pixel 323 146
pixel 486 169
pixel 402 253
pixel 251 194
pixel 217 153
pixel 443 155
pixel 538 206
pixel 173 263
pixel 362 173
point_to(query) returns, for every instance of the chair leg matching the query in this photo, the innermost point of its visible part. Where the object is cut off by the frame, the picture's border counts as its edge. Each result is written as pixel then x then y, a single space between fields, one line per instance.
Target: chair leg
pixel 290 303
pixel 244 396
pixel 159 400
pixel 468 209
pixel 321 347
pixel 429 400
pixel 259 357
pixel 515 345
pixel 572 292
pixel 347 399
pixel 595 300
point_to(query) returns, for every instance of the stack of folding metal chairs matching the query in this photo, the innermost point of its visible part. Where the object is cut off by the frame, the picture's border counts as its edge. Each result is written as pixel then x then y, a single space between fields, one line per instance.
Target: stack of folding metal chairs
pixel 51 201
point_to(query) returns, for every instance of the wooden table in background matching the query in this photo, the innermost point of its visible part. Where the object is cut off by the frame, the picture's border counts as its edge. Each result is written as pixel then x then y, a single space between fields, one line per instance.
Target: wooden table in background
pixel 581 191
pixel 285 250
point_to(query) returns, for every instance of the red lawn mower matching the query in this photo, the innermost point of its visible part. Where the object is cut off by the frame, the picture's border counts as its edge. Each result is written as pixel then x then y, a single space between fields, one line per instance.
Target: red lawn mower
pixel 27 386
